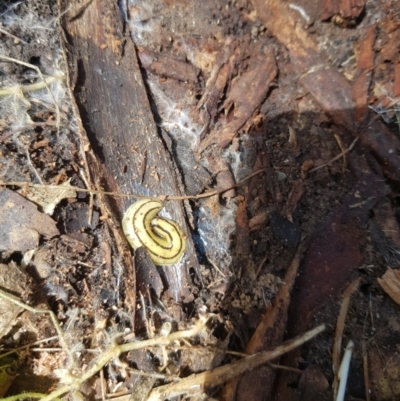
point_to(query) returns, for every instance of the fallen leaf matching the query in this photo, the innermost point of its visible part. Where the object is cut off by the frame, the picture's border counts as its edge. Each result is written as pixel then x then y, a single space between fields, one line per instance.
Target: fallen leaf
pixel 49 197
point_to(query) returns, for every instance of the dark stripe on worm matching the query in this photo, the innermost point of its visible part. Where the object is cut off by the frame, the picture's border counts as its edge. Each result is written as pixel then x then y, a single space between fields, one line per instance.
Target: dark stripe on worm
pixel 151 234
pixel 161 237
pixel 173 224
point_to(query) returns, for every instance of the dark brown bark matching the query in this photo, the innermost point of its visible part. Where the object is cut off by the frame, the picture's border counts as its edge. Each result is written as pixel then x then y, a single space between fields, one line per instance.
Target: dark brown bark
pixel 116 113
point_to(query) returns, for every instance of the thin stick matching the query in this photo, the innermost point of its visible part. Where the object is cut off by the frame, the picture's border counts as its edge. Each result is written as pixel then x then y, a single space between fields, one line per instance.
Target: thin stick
pixel 10 351
pixel 371 313
pixel 337 345
pixel 12 36
pixel 31 87
pixel 47 349
pixel 155 375
pixel 224 373
pixel 118 194
pixel 260 266
pixel 91 201
pixel 336 157
pixel 115 351
pixel 366 371
pixel 343 149
pixel 216 192
pixel 33 167
pixel 283 367
pixel 103 390
pixel 217 268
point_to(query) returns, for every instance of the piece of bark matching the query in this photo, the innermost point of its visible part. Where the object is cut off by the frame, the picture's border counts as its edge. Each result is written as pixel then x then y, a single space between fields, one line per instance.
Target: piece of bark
pixel 365 60
pixel 333 92
pixel 166 66
pixel 258 221
pixel 365 65
pixel 77 218
pixel 224 176
pixel 329 88
pixel 21 224
pixel 225 63
pixel 95 171
pixel 225 180
pixel 396 83
pixel 116 113
pixel 389 39
pixel 242 229
pixel 296 193
pixel 390 283
pixel 246 94
pixel 347 9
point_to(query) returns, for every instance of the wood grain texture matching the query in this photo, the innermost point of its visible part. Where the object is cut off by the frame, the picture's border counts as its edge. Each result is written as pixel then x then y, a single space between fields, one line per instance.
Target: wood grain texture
pixel 116 114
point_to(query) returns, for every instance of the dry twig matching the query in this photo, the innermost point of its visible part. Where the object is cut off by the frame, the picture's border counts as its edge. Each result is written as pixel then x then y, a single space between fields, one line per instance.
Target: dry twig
pixel 342 154
pixel 337 345
pixel 224 373
pixel 118 194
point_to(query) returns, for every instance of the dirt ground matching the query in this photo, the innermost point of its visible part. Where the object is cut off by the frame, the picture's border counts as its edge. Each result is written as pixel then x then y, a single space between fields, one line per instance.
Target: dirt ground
pixel 270 132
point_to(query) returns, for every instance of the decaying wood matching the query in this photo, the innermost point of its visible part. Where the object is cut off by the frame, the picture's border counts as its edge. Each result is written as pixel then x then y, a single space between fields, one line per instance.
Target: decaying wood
pixel 226 61
pixel 224 373
pixel 258 384
pixel 165 66
pixel 390 282
pixel 347 9
pixel 96 176
pixel 365 65
pixel 329 88
pixel 243 246
pixel 246 94
pixel 116 114
pixel 396 84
